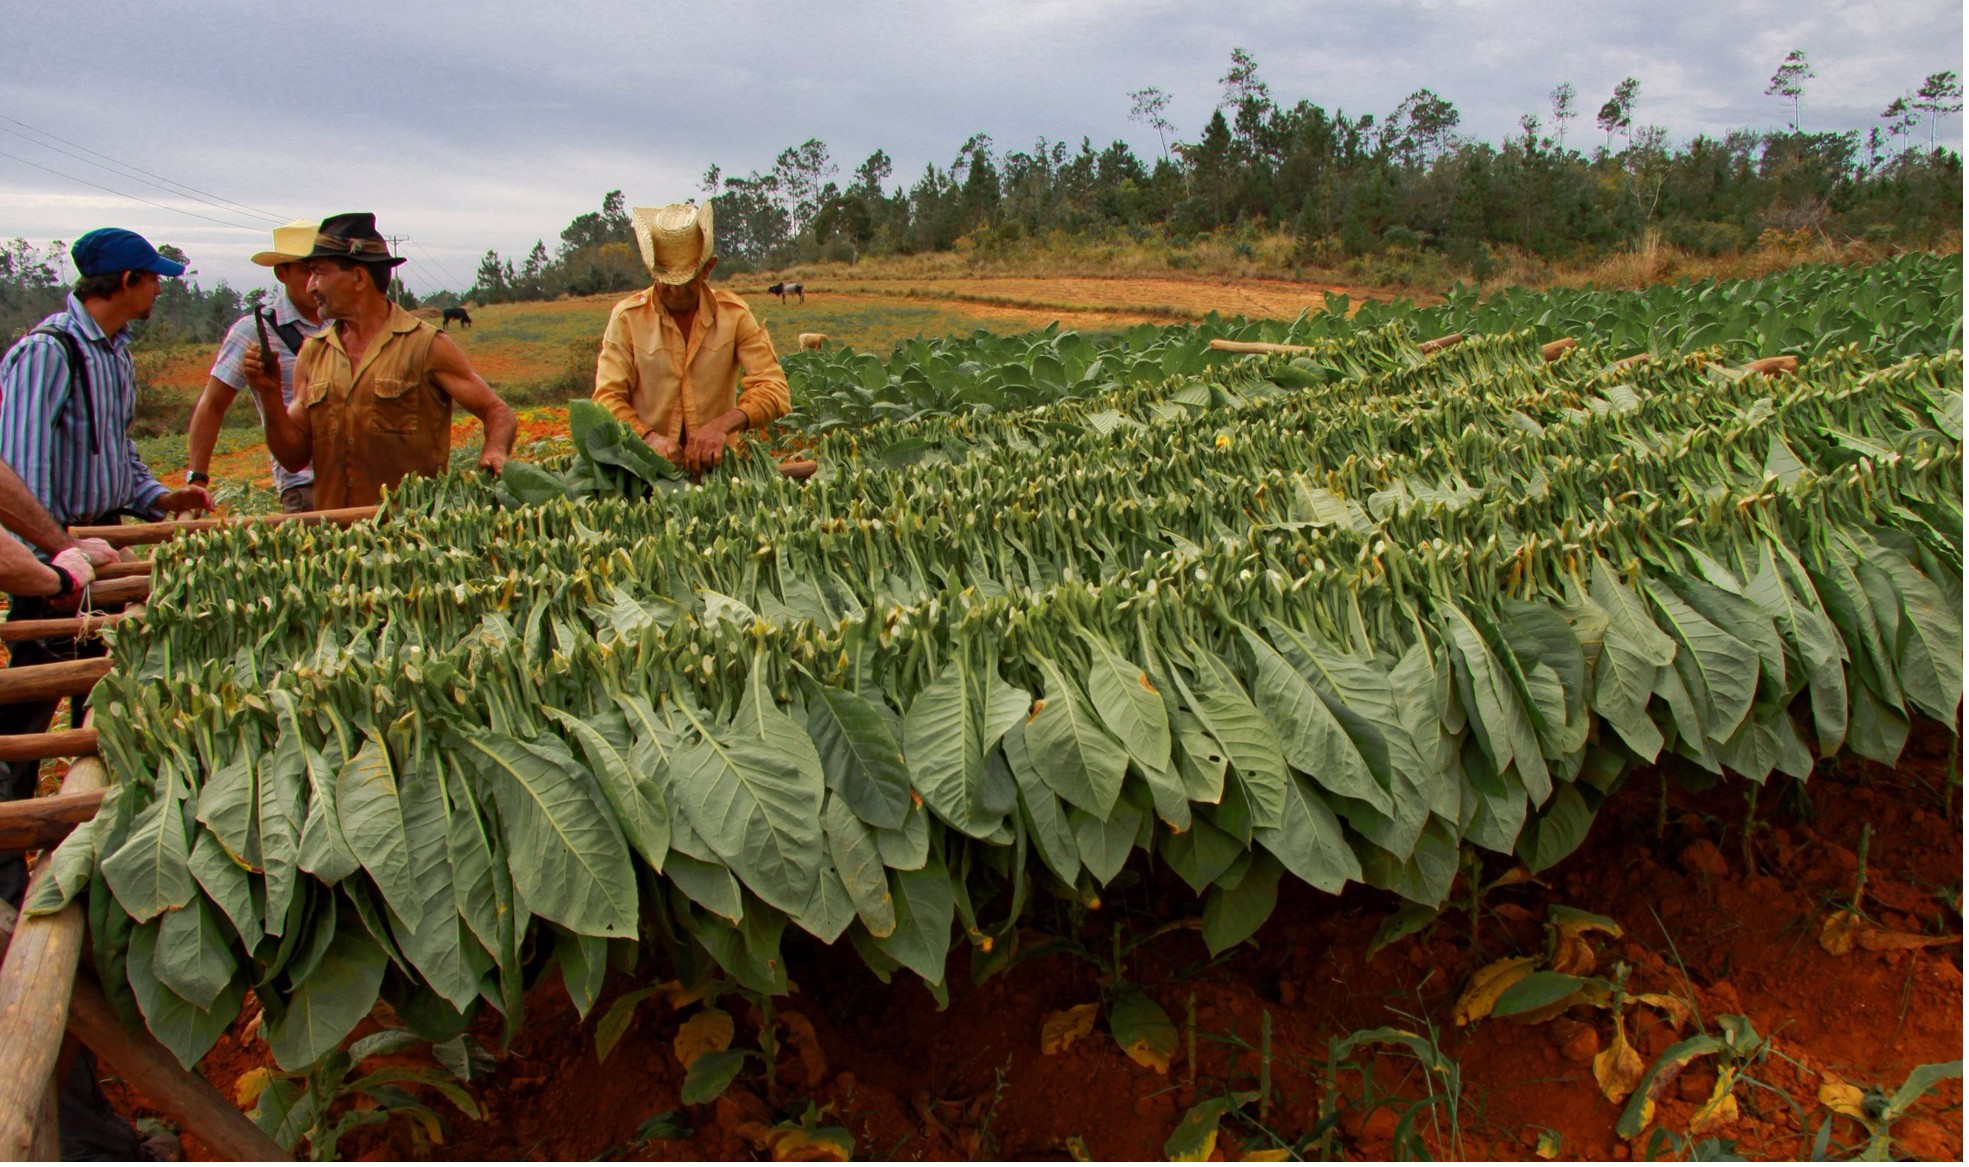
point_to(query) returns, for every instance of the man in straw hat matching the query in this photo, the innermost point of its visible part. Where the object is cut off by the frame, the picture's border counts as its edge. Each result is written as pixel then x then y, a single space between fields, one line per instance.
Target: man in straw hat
pixel 373 391
pixel 675 354
pixel 294 316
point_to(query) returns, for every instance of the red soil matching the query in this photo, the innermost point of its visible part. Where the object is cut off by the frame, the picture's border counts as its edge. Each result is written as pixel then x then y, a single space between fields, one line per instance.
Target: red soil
pixel 910 1082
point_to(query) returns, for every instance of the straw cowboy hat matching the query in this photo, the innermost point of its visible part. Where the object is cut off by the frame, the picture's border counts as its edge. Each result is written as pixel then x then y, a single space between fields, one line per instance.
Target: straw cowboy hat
pixel 676 240
pixel 291 241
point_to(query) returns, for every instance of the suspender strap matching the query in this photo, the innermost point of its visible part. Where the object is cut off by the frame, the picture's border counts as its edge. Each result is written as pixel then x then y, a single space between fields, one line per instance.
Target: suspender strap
pixel 78 380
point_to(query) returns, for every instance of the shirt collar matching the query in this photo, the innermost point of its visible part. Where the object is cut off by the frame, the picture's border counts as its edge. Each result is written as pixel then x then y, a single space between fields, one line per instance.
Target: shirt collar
pixel 285 311
pixel 86 327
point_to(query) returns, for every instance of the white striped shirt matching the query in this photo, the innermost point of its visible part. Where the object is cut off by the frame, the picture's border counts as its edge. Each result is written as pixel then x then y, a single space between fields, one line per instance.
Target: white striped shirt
pixel 49 445
pixel 242 339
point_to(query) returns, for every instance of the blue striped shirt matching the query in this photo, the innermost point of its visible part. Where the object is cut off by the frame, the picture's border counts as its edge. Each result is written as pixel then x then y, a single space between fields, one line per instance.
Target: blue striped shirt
pixel 48 446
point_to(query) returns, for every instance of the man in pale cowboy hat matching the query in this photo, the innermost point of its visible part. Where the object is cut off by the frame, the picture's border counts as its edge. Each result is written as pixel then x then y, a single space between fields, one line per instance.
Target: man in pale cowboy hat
pixel 373 391
pixel 675 354
pixel 290 320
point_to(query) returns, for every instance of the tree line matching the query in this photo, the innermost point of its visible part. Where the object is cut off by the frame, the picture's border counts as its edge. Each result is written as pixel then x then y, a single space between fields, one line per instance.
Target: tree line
pixel 1343 186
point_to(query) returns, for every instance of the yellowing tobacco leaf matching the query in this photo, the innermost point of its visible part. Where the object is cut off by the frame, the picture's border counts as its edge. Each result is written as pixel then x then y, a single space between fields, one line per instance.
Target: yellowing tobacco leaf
pixel 1268 1155
pixel 707 1031
pixel 1195 1138
pixel 1721 1109
pixel 679 996
pixel 1618 1068
pixel 1570 951
pixel 806 1043
pixel 1142 1030
pixel 1549 1144
pixel 1845 931
pixel 1675 1007
pixel 1063 1027
pixel 1487 984
pixel 1844 1098
pixel 792 1143
pixel 250 1085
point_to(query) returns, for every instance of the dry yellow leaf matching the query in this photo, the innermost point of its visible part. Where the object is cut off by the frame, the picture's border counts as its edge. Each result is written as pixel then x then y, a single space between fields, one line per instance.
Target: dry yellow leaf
pixel 707 1031
pixel 678 996
pixel 1721 1109
pixel 1618 1068
pixel 1066 1026
pixel 1844 1098
pixel 1268 1155
pixel 794 1144
pixel 1573 956
pixel 1675 1007
pixel 1518 874
pixel 250 1085
pixel 1144 1054
pixel 1487 984
pixel 1845 931
pixel 800 1035
pixel 1549 1144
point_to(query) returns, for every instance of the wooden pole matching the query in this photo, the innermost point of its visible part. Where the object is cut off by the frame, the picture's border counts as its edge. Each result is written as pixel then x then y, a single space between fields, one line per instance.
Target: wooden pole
pixel 63 743
pixel 1440 343
pixel 131 534
pixel 146 1065
pixel 35 824
pixel 119 591
pixel 1258 346
pixel 68 626
pixel 66 678
pixel 799 470
pixel 1773 366
pixel 124 570
pixel 1558 348
pixel 35 984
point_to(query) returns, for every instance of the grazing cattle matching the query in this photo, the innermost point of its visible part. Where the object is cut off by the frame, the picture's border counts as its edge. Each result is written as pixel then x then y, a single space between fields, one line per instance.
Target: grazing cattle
pixel 456 316
pixel 813 340
pixel 784 289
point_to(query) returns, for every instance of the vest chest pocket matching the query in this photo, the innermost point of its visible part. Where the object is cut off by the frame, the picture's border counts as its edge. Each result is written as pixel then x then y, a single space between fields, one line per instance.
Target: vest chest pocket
pixel 395 409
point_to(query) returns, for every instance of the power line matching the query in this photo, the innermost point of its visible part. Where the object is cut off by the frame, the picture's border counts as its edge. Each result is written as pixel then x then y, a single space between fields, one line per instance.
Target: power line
pixel 434 260
pixel 202 196
pixel 133 198
pixel 215 205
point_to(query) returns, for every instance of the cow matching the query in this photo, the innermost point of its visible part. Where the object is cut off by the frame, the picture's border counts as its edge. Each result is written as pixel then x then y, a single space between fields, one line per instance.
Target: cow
pixel 456 315
pixel 813 340
pixel 784 289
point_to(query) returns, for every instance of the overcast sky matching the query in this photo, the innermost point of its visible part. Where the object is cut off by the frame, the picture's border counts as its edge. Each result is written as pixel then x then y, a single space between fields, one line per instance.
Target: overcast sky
pixel 466 126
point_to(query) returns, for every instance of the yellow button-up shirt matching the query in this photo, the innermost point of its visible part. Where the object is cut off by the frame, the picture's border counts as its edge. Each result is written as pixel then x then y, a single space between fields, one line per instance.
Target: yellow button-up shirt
pixel 654 378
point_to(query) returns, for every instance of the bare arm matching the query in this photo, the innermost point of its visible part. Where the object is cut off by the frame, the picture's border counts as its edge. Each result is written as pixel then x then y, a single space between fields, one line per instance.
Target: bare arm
pixel 290 432
pixel 21 574
pixel 206 418
pixel 454 374
pixel 22 514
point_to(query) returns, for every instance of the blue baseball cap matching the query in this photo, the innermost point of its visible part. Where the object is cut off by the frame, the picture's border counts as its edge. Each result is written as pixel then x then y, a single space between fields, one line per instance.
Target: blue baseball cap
pixel 112 249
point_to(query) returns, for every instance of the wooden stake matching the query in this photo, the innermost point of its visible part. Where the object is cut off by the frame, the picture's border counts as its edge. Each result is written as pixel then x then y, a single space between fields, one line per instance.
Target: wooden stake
pixel 154 1072
pixel 131 534
pixel 1557 349
pixel 1626 363
pixel 35 824
pixel 1258 346
pixel 1440 343
pixel 123 570
pixel 75 627
pixel 35 984
pixel 67 678
pixel 1773 366
pixel 799 470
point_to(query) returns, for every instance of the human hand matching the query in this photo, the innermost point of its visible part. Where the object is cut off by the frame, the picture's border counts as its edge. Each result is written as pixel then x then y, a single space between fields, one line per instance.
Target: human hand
pixel 492 462
pixel 75 562
pixel 704 448
pixel 262 371
pixel 666 448
pixel 191 498
pixel 99 551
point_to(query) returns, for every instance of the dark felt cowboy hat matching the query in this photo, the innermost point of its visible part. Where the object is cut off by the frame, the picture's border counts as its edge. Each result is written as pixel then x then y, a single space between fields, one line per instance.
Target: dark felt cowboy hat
pixel 352 236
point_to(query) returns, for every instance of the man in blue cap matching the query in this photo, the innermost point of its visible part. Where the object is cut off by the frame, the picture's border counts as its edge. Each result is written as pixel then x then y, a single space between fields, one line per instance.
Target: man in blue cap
pixel 68 391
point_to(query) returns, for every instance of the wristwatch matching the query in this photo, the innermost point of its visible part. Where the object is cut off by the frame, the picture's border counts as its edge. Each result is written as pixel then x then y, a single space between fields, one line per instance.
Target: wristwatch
pixel 67 581
pixel 197 478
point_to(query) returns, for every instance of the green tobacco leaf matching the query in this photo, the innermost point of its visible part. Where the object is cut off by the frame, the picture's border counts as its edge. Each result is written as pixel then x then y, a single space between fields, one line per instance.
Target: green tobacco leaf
pixel 1195 1136
pixel 67 872
pixel 711 1075
pixel 337 994
pixel 226 805
pixel 757 800
pixel 151 872
pixel 371 818
pixel 615 1022
pixel 584 967
pixel 1310 841
pixel 1045 818
pixel 437 943
pixel 948 732
pixel 1536 991
pixel 634 795
pixel 858 865
pixel 193 959
pixel 1726 666
pixel 282 775
pixel 1071 750
pixel 1105 844
pixel 185 1029
pixel 226 885
pixel 924 909
pixel 1142 1029
pixel 1310 736
pixel 860 757
pixel 1128 705
pixel 568 859
pixel 1248 742
pixel 1232 917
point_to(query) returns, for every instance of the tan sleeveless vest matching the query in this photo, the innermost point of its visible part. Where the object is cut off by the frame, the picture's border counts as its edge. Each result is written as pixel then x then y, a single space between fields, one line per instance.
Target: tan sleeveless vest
pixel 374 422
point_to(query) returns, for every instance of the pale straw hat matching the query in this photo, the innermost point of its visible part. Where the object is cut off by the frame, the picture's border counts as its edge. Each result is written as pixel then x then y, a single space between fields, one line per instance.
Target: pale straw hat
pixel 676 240
pixel 291 241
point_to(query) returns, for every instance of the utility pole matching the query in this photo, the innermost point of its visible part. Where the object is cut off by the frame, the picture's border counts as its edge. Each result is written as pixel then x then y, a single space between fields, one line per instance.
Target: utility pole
pixel 396 249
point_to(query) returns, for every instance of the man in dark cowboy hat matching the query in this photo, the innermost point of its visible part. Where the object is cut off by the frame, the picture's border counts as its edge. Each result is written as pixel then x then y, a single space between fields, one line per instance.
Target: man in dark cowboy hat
pixel 373 392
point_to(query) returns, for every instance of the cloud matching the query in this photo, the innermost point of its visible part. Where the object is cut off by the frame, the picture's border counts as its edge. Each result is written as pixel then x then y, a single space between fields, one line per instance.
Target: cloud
pixel 491 125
